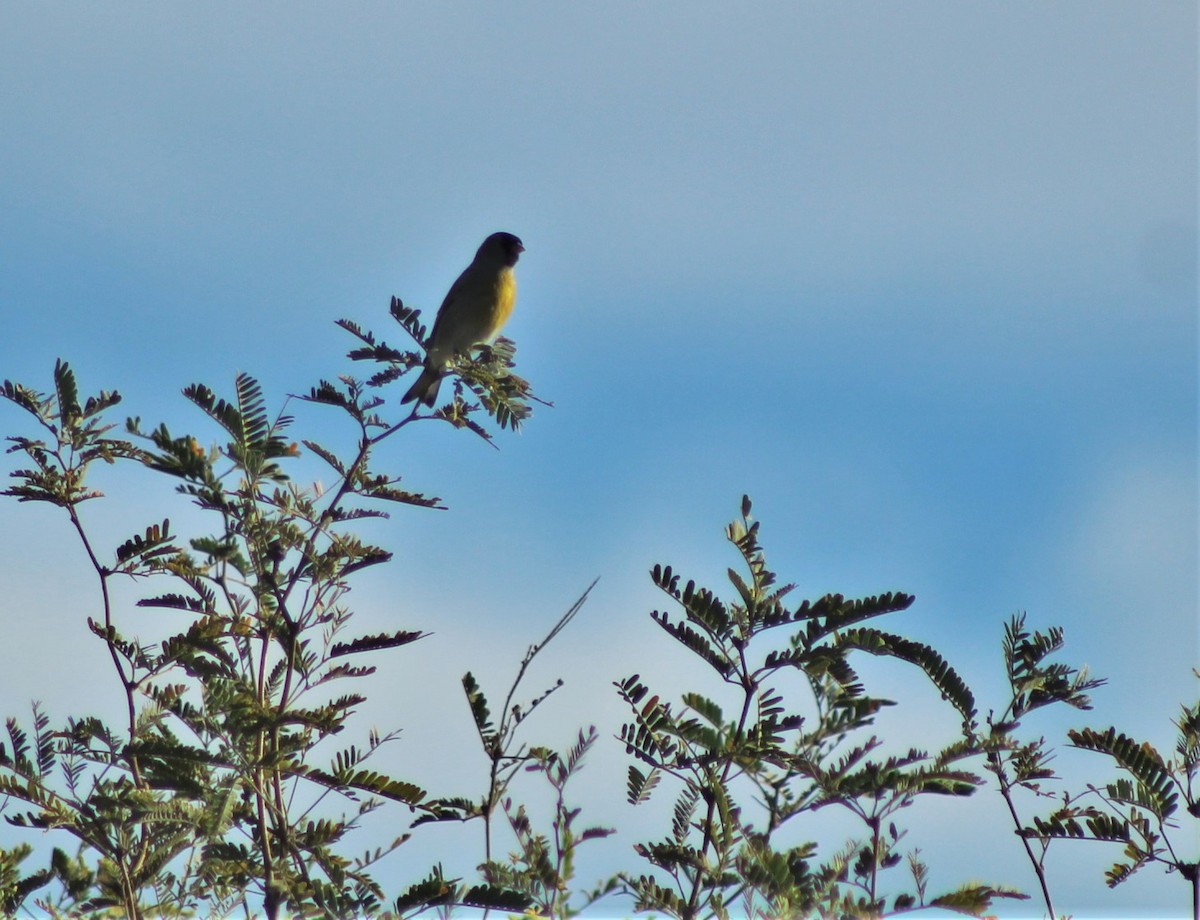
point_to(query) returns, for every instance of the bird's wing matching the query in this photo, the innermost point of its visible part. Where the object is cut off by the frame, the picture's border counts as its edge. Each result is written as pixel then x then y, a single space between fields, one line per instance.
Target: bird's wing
pixel 446 307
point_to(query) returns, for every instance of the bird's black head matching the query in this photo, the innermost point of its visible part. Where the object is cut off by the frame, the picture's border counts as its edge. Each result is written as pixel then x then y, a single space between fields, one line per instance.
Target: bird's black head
pixel 504 246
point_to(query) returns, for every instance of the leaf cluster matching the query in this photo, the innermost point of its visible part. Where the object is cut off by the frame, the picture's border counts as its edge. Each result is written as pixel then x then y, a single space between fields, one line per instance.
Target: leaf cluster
pixel 219 792
pixel 222 791
pixel 795 760
pixel 542 866
pixel 74 436
pixel 1139 809
pixel 1034 682
pixel 483 382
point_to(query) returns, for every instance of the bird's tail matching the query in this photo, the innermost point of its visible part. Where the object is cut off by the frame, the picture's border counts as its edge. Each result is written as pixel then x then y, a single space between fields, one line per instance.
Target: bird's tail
pixel 426 387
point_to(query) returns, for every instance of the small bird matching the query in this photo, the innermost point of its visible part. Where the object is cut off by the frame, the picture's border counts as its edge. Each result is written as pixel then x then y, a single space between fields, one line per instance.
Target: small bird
pixel 475 309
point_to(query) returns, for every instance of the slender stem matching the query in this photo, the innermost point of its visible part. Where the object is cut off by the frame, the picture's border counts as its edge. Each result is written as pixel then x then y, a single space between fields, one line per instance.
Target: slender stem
pixel 1006 793
pixel 693 904
pixel 129 892
pixel 127 682
pixel 319 527
pixel 506 730
pixel 748 686
pixel 412 417
pixel 488 808
pixel 129 888
pixel 561 829
pixel 271 807
pixel 270 895
pixel 873 822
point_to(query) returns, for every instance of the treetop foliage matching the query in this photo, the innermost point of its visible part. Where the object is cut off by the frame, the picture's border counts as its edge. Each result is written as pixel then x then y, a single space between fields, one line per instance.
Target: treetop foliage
pixel 233 782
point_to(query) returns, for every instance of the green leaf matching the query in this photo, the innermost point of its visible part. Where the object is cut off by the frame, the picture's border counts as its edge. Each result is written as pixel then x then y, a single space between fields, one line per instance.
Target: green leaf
pixel 44 741
pixel 1142 760
pixel 366 781
pixel 221 412
pixel 376 642
pixel 944 677
pixel 1120 871
pixel 718 661
pixel 154 543
pixel 20 743
pixel 30 400
pixel 748 594
pixel 706 708
pixel 974 899
pixel 650 896
pixel 67 393
pixel 252 410
pixel 685 811
pixel 430 891
pixel 833 612
pixel 328 394
pixel 382 488
pixel 479 711
pixel 408 318
pixel 495 898
pixel 456 808
pixel 706 610
pixel 326 455
pixel 179 602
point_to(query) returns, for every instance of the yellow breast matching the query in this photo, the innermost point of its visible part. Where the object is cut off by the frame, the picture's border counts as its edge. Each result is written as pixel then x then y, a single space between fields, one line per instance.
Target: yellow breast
pixel 506 299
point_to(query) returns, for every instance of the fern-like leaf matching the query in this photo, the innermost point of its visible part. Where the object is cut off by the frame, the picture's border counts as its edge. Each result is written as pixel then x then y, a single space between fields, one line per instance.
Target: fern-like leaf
pixel 252 411
pixel 155 542
pixel 479 711
pixel 952 687
pixel 67 393
pixel 376 642
pixel 640 786
pixel 973 900
pixel 1141 760
pixel 696 642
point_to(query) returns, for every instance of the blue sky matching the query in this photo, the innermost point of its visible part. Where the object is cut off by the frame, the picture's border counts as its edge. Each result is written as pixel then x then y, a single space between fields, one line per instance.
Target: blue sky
pixel 919 278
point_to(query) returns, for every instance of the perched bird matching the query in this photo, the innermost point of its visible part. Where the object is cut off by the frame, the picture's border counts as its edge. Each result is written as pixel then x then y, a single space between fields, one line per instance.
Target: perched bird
pixel 475 309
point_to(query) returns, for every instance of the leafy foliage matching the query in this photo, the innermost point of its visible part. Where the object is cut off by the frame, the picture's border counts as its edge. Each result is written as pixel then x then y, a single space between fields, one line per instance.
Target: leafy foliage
pixel 218 792
pixel 543 864
pixel 487 376
pixel 1034 683
pixel 1136 810
pixel 717 853
pixel 203 801
pixel 75 437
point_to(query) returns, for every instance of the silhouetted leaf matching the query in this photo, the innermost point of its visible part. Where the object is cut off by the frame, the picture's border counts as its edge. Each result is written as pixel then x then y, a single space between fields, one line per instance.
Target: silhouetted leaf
pixel 1156 788
pixel 376 642
pixel 944 677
